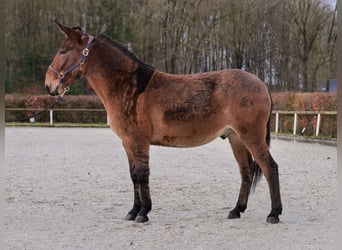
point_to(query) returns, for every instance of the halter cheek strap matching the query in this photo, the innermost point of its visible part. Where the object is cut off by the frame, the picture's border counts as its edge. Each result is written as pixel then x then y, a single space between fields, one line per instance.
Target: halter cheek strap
pixel 61 75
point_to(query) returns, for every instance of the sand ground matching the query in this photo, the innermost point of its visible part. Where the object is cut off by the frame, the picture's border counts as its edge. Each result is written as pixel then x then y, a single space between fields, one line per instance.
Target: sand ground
pixel 69 188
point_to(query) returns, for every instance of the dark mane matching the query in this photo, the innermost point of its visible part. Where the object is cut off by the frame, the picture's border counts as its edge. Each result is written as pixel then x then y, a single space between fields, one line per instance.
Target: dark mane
pixel 123 49
pixel 142 74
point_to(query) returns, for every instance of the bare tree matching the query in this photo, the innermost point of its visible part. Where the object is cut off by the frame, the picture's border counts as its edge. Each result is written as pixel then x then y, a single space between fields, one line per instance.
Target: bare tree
pixel 290 45
pixel 309 18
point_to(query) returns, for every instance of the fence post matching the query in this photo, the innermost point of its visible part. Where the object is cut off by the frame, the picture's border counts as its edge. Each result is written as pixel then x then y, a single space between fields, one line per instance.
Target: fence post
pixel 295 124
pixel 277 123
pixel 318 123
pixel 107 120
pixel 51 117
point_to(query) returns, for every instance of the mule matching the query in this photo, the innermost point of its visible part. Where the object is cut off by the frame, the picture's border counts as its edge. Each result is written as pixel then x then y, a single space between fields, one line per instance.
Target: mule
pixel 150 107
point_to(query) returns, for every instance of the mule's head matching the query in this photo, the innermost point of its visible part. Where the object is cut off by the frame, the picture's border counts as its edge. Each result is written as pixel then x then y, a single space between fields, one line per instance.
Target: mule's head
pixel 67 65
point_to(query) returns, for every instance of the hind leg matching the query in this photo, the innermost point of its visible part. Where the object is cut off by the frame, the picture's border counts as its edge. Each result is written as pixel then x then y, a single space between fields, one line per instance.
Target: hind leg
pixel 261 154
pixel 245 162
pixel 272 176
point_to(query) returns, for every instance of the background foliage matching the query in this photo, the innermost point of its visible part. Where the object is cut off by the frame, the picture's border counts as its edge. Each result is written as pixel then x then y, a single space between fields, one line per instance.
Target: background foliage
pixel 290 45
pixel 289 101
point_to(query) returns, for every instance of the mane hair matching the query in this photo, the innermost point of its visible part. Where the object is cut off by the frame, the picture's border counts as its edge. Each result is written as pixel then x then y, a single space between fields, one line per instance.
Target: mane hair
pixel 143 72
pixel 123 49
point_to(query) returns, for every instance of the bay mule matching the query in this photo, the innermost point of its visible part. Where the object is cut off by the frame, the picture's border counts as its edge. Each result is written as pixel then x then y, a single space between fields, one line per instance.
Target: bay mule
pixel 150 107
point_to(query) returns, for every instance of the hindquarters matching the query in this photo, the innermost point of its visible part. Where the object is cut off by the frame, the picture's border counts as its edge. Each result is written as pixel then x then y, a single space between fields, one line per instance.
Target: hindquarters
pixel 252 127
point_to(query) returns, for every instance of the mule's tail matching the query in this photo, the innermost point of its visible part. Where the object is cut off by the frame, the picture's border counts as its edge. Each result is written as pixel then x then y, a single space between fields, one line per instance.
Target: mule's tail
pixel 268 126
pixel 256 176
pixel 256 169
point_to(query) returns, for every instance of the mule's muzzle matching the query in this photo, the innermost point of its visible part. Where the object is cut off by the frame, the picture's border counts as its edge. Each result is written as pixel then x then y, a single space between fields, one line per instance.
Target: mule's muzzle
pixel 52 91
pixel 48 90
pixel 59 90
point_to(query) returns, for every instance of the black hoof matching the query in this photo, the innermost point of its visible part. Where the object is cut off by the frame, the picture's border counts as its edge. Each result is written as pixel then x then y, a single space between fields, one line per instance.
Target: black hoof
pixel 130 216
pixel 233 215
pixel 141 219
pixel 272 219
pixel 273 216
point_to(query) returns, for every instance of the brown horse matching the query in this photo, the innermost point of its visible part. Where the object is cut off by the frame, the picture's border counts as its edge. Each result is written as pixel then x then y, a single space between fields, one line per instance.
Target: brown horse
pixel 149 107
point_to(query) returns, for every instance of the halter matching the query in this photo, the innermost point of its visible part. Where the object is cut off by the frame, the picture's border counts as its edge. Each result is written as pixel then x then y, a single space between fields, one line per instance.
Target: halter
pixel 61 75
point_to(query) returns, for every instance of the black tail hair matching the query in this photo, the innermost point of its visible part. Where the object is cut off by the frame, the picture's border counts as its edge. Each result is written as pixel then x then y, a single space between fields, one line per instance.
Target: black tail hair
pixel 256 176
pixel 256 168
pixel 268 126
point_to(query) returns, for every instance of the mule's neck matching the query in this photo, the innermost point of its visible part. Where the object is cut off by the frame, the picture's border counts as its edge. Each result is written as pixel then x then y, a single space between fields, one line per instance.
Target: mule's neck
pixel 106 68
pixel 114 72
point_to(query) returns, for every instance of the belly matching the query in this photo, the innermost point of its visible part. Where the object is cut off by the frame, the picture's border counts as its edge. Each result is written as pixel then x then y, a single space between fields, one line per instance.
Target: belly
pixel 188 136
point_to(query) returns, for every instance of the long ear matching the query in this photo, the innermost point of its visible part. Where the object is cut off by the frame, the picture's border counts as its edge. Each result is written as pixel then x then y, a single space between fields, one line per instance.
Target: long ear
pixel 69 32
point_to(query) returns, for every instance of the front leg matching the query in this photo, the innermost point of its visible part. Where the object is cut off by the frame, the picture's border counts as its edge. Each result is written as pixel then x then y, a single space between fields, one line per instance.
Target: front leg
pixel 137 199
pixel 139 170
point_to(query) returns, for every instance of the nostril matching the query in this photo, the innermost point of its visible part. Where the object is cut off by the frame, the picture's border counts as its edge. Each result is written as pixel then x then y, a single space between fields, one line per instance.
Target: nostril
pixel 48 90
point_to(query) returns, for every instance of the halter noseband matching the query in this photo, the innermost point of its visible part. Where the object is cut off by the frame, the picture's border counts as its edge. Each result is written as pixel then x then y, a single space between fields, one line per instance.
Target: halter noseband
pixel 61 75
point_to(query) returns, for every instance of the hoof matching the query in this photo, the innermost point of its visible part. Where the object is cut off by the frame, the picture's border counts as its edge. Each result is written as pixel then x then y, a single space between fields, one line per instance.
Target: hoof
pixel 233 215
pixel 272 219
pixel 130 216
pixel 141 219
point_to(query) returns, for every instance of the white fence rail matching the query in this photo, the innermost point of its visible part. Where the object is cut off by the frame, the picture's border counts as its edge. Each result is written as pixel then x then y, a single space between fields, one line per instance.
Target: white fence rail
pixel 295 118
pixel 52 111
pixel 277 114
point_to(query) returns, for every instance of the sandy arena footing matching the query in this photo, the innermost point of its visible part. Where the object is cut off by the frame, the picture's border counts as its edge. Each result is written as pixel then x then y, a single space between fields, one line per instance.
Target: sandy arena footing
pixel 69 188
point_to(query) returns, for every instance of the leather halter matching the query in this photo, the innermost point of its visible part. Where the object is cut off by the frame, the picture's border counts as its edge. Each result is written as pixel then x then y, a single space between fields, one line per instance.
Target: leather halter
pixel 61 75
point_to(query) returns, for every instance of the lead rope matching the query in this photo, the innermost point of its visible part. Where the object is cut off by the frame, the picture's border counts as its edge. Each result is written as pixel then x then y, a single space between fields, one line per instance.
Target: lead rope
pixel 41 111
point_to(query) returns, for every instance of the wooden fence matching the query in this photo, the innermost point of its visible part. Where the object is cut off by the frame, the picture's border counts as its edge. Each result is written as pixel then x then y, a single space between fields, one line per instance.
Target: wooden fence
pixel 295 121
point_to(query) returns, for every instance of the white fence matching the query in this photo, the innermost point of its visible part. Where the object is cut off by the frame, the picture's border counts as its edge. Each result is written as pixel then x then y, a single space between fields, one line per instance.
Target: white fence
pixel 277 114
pixel 295 118
pixel 75 110
pixel 52 111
